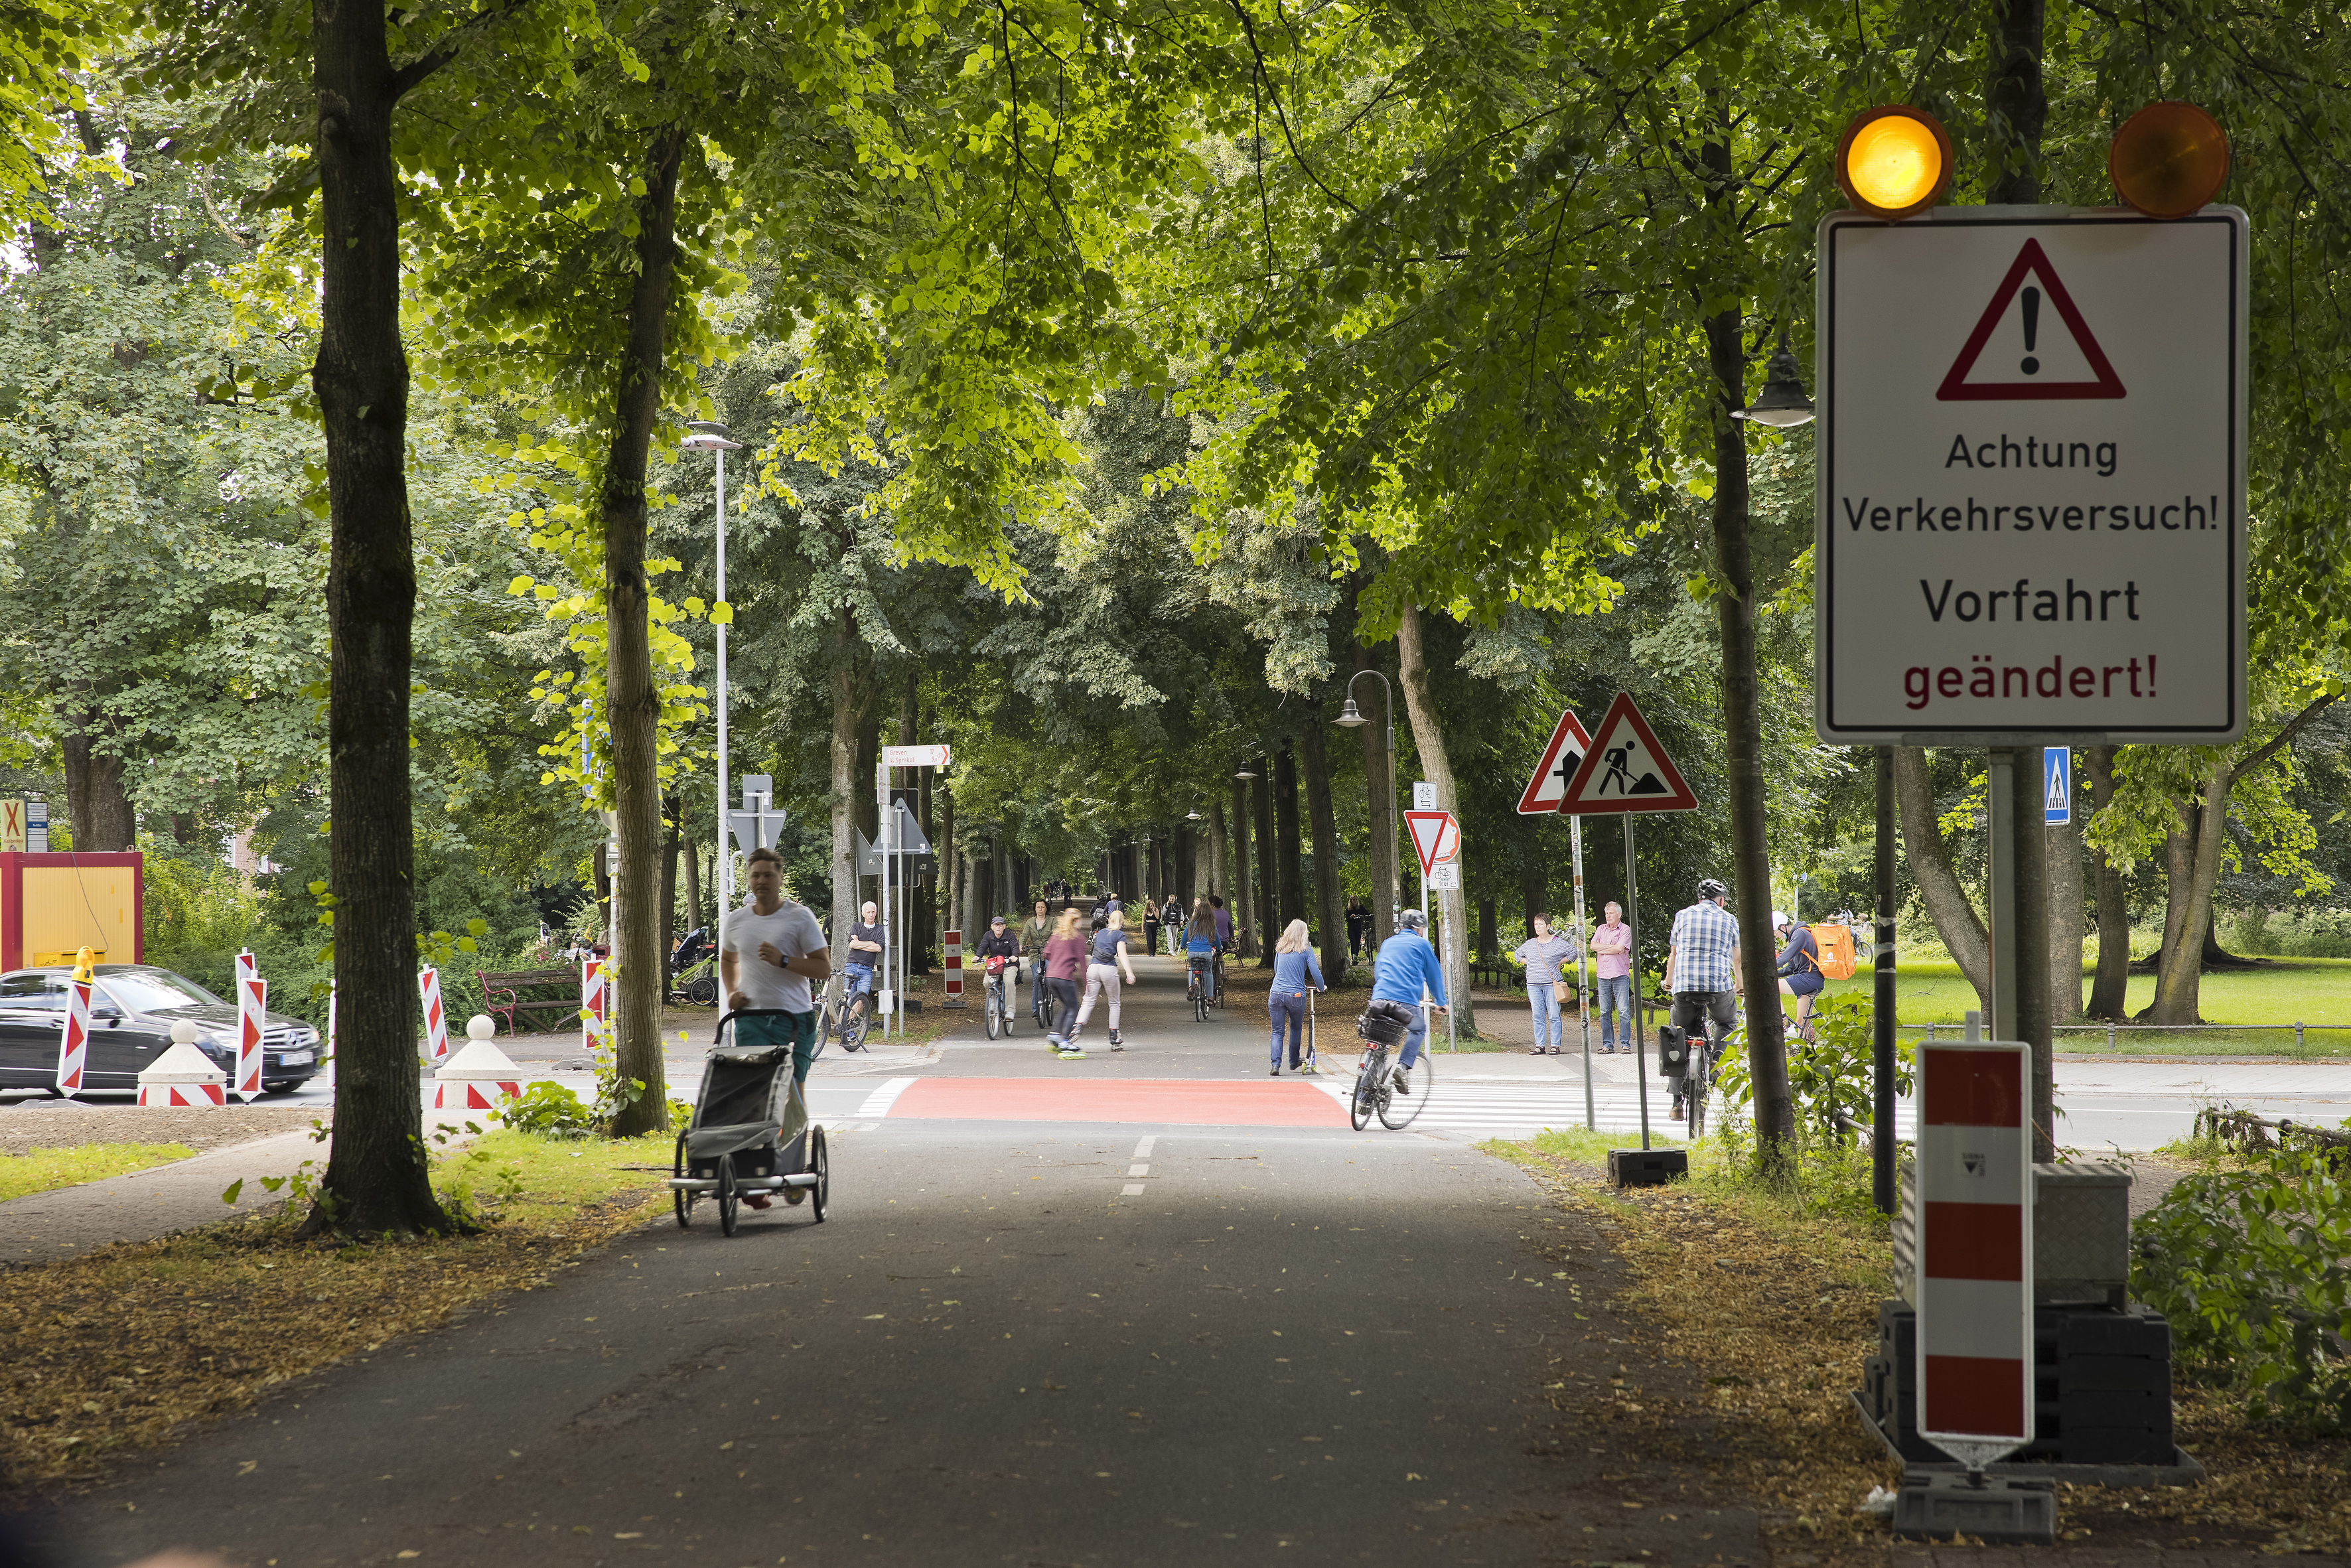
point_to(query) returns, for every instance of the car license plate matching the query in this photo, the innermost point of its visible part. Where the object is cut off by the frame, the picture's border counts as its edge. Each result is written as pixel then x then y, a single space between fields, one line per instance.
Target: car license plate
pixel 295 1059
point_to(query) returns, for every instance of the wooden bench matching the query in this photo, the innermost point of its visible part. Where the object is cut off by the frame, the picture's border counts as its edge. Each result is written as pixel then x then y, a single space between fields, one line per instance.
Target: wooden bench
pixel 501 993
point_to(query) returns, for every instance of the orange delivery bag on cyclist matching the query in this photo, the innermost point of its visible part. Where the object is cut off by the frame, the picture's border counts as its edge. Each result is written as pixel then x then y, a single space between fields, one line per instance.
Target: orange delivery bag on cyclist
pixel 1838 959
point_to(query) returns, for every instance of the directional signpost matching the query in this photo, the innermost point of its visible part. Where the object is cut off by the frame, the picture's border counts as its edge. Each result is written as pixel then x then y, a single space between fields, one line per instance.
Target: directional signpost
pixel 900 834
pixel 1437 838
pixel 1625 772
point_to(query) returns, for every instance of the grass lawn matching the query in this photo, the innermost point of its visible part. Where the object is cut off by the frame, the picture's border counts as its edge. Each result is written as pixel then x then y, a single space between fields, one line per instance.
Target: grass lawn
pixel 115 1349
pixel 38 1170
pixel 2312 991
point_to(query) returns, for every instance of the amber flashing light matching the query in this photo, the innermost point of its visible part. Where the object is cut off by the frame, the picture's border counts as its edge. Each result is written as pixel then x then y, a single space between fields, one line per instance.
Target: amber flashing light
pixel 2169 159
pixel 1894 161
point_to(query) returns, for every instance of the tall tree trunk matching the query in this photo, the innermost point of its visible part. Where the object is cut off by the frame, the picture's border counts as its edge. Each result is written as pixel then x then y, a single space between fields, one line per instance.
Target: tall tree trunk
pixel 1486 941
pixel 96 801
pixel 1269 856
pixel 1955 918
pixel 1428 740
pixel 1380 787
pixel 376 1174
pixel 1245 872
pixel 852 791
pixel 693 915
pixel 2108 990
pixel 2196 864
pixel 1330 914
pixel 633 702
pixel 868 803
pixel 2066 921
pixel 1291 856
pixel 671 838
pixel 1219 875
pixel 2015 103
pixel 1742 704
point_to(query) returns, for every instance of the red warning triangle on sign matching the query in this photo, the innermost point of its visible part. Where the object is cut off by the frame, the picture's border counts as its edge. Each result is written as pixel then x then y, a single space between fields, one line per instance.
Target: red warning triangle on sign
pixel 2030 341
pixel 1624 769
pixel 1560 759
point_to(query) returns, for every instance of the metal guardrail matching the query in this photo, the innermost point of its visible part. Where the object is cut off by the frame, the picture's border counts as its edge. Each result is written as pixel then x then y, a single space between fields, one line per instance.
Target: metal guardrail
pixel 2111 1029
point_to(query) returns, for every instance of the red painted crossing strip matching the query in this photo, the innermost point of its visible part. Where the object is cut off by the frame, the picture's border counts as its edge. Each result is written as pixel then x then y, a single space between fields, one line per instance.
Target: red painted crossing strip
pixel 1158 1101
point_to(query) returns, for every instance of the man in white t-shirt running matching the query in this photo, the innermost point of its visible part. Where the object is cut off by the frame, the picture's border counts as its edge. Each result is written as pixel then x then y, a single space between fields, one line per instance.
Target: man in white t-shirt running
pixel 768 951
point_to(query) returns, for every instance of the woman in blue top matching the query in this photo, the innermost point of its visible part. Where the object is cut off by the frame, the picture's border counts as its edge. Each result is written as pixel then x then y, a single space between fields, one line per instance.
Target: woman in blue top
pixel 1294 970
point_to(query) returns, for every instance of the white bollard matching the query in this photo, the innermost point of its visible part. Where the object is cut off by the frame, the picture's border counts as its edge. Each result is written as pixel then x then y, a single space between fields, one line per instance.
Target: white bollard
pixel 480 1075
pixel 183 1076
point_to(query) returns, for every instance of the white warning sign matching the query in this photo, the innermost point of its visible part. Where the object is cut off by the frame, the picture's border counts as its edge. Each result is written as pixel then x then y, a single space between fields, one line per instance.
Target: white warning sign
pixel 2030 515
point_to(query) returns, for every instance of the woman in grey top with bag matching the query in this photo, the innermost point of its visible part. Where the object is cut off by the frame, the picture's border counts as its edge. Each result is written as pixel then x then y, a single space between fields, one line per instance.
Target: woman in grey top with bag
pixel 1543 954
pixel 1105 962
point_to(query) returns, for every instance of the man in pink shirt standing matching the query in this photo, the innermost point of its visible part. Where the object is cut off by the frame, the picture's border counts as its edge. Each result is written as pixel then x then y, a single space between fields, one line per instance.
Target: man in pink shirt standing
pixel 1612 953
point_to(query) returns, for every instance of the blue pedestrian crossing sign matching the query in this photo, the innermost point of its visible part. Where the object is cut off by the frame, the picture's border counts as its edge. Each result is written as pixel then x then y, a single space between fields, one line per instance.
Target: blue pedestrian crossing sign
pixel 2057 784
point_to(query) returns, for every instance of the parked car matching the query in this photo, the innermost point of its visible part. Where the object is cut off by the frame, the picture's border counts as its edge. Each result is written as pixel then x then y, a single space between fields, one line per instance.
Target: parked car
pixel 132 1008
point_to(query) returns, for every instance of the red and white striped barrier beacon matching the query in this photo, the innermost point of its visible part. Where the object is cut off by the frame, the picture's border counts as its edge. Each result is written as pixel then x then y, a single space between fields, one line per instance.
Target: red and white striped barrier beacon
pixel 1975 1286
pixel 436 1019
pixel 73 1043
pixel 252 1017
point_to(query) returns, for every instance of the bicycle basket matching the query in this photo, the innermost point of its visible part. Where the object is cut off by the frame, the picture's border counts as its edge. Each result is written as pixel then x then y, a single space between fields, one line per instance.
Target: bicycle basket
pixel 1384 1023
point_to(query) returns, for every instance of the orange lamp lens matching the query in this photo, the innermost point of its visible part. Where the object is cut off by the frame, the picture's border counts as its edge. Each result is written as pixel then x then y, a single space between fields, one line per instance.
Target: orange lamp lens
pixel 2169 159
pixel 1894 161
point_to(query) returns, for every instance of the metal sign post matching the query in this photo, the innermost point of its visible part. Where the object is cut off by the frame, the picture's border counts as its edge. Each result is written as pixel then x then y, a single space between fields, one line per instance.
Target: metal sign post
pixel 889 814
pixel 1545 793
pixel 1625 772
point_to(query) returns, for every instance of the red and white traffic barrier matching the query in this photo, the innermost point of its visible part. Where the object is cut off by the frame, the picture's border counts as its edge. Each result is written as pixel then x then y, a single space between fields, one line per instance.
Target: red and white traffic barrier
pixel 436 1021
pixel 480 1077
pixel 182 1077
pixel 952 946
pixel 73 1040
pixel 595 1003
pixel 252 1017
pixel 1975 1248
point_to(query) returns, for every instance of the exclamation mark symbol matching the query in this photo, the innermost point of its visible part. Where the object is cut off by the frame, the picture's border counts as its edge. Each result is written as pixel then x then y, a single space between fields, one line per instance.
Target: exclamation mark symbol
pixel 2032 329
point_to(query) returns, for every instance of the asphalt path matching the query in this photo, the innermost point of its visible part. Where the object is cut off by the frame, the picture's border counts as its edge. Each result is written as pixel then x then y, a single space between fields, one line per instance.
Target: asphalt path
pixel 1023 1342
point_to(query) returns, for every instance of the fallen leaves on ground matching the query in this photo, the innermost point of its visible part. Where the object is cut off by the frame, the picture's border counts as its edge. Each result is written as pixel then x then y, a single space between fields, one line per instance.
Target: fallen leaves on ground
pixel 52 1125
pixel 1774 1315
pixel 120 1348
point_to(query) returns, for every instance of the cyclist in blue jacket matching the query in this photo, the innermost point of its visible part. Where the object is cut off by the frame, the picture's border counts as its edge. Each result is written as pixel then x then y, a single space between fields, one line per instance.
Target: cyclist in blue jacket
pixel 1404 969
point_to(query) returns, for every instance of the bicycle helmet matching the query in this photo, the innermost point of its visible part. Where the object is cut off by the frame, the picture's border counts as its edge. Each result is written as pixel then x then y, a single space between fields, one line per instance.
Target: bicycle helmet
pixel 1709 887
pixel 1412 920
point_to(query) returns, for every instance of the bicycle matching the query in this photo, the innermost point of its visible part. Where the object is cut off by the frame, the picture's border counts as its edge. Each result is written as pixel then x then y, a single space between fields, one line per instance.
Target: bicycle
pixel 998 1013
pixel 1377 1091
pixel 1200 974
pixel 857 1013
pixel 1047 1005
pixel 1216 989
pixel 697 982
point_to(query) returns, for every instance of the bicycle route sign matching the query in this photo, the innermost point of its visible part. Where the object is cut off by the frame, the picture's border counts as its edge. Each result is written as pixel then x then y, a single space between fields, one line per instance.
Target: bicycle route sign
pixel 1624 769
pixel 2030 515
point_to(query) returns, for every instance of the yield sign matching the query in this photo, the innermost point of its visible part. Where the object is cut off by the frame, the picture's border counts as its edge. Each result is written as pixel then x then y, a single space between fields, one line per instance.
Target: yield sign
pixel 2032 357
pixel 1436 835
pixel 1560 759
pixel 1624 769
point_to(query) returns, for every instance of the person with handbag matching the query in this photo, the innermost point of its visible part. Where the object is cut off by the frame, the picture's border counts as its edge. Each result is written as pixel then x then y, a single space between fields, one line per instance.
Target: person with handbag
pixel 1106 962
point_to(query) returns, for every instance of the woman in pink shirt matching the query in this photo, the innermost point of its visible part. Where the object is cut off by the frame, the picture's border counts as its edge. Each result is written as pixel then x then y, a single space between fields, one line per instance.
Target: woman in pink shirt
pixel 1612 953
pixel 1065 965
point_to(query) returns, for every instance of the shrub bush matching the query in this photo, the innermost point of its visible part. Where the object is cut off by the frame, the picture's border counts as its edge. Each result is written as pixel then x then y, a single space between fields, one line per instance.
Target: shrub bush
pixel 2249 1263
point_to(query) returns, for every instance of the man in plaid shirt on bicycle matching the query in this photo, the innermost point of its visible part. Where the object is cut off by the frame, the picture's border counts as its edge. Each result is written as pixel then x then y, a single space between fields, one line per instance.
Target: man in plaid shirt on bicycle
pixel 1702 972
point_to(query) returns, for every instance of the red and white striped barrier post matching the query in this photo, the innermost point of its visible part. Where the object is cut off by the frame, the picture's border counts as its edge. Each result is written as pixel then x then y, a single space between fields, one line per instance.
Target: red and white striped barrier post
pixel 951 944
pixel 436 1021
pixel 252 1014
pixel 1975 1248
pixel 595 1003
pixel 73 1042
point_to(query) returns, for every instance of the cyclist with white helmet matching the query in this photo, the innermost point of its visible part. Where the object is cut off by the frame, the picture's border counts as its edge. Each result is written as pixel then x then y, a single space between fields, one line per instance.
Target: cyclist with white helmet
pixel 1403 972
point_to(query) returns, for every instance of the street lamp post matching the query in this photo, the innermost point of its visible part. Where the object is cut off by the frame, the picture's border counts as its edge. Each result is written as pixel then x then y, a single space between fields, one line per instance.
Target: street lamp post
pixel 1351 717
pixel 710 436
